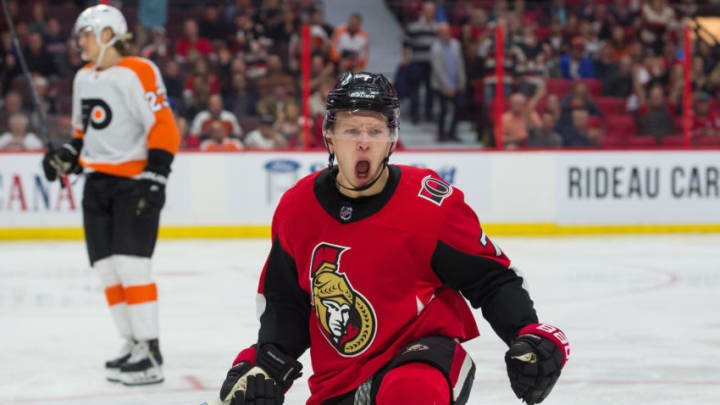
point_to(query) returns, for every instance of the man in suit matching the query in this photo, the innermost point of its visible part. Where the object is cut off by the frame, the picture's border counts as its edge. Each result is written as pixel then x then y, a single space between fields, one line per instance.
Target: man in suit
pixel 448 80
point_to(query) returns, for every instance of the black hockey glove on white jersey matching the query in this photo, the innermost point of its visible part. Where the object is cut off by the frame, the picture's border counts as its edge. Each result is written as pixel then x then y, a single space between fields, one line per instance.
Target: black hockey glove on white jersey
pixel 260 377
pixel 534 361
pixel 152 181
pixel 63 160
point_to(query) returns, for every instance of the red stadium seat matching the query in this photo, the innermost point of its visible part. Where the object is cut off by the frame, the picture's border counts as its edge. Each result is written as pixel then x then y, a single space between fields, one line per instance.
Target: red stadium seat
pixel 674 140
pixel 613 142
pixel 642 141
pixel 713 141
pixel 561 87
pixel 620 125
pixel 611 105
pixel 594 86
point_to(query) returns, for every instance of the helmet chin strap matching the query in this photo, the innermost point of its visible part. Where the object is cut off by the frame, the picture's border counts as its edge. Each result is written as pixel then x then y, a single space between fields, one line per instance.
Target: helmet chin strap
pixel 377 177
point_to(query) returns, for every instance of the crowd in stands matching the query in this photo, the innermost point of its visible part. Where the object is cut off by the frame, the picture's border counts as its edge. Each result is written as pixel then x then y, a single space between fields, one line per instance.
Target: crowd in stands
pixel 232 69
pixel 576 73
pixel 591 73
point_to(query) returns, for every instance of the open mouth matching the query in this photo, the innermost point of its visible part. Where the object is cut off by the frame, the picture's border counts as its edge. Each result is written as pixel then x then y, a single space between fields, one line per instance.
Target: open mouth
pixel 362 169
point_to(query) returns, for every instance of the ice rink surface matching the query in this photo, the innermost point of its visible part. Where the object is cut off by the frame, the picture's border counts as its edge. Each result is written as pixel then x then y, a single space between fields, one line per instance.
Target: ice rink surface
pixel 641 313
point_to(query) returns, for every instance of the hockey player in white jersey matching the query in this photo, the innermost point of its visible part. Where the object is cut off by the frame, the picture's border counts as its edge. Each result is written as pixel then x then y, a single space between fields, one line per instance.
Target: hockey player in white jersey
pixel 125 138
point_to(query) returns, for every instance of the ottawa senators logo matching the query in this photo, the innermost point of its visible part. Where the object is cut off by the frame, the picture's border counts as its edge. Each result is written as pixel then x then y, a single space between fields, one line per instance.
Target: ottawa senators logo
pixel 347 318
pixel 95 112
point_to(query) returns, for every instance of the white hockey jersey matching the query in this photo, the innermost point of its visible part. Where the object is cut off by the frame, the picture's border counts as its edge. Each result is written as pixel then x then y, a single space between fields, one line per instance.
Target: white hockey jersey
pixel 121 112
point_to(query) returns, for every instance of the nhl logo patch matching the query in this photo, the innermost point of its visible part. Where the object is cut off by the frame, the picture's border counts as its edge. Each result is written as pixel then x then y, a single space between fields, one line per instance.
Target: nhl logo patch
pixel 346 212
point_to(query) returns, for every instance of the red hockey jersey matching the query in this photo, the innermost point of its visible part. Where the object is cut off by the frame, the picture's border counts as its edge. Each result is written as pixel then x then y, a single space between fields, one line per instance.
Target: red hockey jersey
pixel 357 279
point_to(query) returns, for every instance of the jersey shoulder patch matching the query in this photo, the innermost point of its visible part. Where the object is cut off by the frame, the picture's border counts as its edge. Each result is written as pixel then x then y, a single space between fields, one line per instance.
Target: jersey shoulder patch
pixel 434 189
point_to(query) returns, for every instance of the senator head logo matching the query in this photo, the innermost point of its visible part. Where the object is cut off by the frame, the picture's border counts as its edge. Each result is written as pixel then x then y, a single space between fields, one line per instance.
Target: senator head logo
pixel 348 320
pixel 96 113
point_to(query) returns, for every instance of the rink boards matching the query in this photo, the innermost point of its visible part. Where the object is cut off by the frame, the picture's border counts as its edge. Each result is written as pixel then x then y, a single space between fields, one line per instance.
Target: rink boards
pixel 514 193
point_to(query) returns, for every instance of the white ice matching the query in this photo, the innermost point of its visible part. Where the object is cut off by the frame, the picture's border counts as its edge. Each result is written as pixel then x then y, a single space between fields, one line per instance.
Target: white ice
pixel 640 311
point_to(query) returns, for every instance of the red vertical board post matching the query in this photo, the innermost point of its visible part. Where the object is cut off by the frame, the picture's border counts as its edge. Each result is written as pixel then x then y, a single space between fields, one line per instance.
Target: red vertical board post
pixel 306 84
pixel 687 91
pixel 499 86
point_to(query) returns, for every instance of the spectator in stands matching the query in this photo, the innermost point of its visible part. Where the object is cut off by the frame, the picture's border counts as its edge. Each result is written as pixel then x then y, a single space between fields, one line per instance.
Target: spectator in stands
pixel 188 141
pixel 622 12
pixel 545 136
pixel 215 114
pixel 317 17
pixel 555 40
pixel 152 14
pixel 17 138
pixel 589 38
pixel 12 104
pixel 48 99
pixel 276 76
pixel 620 82
pixel 56 40
pixel 448 80
pixel 576 64
pixel 288 123
pixel 657 17
pixel 655 117
pixel 705 123
pixel 579 98
pixel 192 46
pixel 319 47
pixel 240 99
pixel 38 59
pixel 579 134
pixel 321 71
pixel 173 82
pixel 271 14
pixel 159 49
pixel 218 140
pixel 39 18
pixel 534 67
pixel 513 58
pixel 519 121
pixel 350 47
pixel 319 97
pixel 419 37
pixel 553 106
pixel 620 45
pixel 201 77
pixel 238 7
pixel 265 136
pixel 212 26
pixel 271 104
pixel 604 65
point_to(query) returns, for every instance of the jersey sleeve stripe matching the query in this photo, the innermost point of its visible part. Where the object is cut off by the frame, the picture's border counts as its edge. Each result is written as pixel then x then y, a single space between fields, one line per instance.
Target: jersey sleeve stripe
pixel 78 133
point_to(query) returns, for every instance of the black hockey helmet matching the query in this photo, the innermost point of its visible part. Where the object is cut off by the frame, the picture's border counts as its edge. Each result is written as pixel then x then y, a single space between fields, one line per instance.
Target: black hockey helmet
pixel 363 91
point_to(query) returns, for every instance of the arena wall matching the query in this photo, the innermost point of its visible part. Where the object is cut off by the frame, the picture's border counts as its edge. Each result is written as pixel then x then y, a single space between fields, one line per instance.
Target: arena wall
pixel 514 193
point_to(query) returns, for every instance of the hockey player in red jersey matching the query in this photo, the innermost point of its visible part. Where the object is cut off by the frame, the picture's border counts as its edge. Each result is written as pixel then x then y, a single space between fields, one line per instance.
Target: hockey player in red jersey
pixel 125 139
pixel 370 267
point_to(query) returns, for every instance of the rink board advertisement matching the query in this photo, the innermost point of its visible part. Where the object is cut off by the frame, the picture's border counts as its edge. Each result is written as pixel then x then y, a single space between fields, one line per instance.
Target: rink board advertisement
pixel 522 192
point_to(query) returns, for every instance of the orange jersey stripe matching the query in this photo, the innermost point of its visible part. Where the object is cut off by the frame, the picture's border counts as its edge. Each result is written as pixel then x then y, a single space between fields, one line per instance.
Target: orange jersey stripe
pixel 115 294
pixel 164 134
pixel 124 169
pixel 78 134
pixel 139 294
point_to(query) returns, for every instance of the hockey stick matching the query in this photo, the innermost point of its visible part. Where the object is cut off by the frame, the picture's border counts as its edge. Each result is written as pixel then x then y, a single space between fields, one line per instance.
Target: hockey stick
pixel 28 76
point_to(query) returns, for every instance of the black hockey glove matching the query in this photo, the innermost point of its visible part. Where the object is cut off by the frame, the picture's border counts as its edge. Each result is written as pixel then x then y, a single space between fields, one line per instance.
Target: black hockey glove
pixel 534 361
pixel 152 181
pixel 63 160
pixel 262 380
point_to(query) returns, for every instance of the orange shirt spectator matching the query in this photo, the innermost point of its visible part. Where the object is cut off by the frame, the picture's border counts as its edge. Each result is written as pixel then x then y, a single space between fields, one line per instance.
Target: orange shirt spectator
pixel 350 44
pixel 192 45
pixel 219 140
pixel 518 122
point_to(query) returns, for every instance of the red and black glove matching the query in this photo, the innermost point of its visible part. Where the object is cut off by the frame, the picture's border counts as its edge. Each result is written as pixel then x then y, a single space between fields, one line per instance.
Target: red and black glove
pixel 259 377
pixel 534 361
